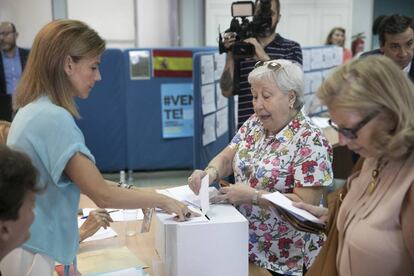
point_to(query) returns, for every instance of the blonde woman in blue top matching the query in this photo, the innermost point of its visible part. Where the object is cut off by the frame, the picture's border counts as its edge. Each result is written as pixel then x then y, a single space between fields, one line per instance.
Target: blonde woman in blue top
pixel 63 64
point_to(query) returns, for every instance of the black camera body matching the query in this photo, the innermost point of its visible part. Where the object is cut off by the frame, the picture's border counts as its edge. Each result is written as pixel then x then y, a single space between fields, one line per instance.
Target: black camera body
pixel 259 26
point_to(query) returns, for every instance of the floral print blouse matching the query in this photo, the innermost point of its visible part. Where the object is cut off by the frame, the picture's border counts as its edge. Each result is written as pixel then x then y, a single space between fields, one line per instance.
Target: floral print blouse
pixel 297 156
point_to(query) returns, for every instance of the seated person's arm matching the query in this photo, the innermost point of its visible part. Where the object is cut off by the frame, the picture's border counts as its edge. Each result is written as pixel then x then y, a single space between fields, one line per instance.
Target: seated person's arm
pixel 96 219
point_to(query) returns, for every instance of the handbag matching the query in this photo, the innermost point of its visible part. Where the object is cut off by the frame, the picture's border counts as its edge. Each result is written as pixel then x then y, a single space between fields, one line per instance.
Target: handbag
pixel 325 262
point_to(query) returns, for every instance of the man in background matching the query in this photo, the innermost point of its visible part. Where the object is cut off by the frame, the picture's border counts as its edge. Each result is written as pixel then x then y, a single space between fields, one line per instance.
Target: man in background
pixel 12 62
pixel 267 47
pixel 396 37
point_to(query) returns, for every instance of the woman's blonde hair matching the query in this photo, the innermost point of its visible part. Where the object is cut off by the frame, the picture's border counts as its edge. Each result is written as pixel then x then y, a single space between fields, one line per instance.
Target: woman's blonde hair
pixel 44 72
pixel 376 84
pixel 4 131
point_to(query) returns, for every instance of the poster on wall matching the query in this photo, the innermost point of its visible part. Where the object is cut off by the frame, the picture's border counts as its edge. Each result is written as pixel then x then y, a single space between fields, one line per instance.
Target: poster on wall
pixel 172 63
pixel 139 64
pixel 177 110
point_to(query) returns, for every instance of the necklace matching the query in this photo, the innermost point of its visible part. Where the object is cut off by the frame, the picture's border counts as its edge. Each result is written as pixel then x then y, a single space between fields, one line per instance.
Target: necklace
pixel 375 173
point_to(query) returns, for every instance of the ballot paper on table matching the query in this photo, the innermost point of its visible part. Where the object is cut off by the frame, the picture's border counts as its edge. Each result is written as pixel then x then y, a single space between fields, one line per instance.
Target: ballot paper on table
pixel 116 215
pixel 282 201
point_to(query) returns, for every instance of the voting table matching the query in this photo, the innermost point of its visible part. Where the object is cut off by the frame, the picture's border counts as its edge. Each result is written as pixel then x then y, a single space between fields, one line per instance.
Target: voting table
pixel 188 247
pixel 143 246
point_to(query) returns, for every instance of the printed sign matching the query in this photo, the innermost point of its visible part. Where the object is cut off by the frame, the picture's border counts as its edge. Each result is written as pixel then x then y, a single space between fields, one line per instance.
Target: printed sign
pixel 177 110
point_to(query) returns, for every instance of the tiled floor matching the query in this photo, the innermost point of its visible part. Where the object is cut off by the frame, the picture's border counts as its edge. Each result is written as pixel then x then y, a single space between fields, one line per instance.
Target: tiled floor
pixel 156 178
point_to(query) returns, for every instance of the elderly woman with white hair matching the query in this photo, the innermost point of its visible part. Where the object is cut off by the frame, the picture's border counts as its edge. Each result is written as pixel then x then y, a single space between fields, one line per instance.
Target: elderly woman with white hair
pixel 277 149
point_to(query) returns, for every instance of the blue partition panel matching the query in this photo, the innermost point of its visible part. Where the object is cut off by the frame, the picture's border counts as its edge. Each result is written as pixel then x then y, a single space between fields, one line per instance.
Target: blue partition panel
pixel 147 150
pixel 204 153
pixel 103 120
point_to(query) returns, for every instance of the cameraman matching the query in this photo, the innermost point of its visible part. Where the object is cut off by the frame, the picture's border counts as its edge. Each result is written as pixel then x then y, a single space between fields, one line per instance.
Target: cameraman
pixel 272 46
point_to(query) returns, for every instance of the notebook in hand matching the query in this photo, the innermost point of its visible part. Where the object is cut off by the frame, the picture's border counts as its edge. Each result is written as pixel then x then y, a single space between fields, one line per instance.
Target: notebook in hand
pixel 300 219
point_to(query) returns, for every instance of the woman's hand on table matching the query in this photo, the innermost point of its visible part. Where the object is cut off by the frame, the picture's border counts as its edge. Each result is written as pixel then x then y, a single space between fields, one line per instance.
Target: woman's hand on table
pixel 96 219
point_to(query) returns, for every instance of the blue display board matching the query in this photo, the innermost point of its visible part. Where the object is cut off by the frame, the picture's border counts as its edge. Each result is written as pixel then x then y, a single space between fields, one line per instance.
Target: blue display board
pixel 122 118
pixel 103 117
pixel 209 111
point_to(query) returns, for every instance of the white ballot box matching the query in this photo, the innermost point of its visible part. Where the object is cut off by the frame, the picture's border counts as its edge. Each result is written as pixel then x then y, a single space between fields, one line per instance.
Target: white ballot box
pixel 214 247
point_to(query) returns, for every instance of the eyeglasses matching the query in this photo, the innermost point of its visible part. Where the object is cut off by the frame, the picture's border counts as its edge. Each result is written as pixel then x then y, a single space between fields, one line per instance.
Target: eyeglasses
pixel 351 133
pixel 6 33
pixel 273 65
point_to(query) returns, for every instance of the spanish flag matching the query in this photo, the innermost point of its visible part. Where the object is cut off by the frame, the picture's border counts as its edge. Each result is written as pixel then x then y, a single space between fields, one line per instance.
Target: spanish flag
pixel 172 63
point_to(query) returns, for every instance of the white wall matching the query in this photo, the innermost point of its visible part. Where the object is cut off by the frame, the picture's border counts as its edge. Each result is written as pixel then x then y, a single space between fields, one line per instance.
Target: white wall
pixel 309 21
pixel 28 16
pixel 305 21
pixel 126 23
pixel 144 23
pixel 191 25
pixel 362 19
pixel 113 20
pixel 122 23
pixel 154 23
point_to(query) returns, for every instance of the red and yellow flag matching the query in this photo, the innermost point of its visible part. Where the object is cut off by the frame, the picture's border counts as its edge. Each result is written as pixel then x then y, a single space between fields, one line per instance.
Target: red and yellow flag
pixel 172 63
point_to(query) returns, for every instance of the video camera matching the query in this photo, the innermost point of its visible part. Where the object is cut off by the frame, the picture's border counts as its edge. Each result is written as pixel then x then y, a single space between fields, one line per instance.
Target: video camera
pixel 260 26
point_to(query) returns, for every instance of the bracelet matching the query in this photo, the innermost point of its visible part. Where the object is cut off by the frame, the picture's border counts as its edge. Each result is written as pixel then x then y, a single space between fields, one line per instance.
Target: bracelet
pixel 123 185
pixel 217 175
pixel 256 197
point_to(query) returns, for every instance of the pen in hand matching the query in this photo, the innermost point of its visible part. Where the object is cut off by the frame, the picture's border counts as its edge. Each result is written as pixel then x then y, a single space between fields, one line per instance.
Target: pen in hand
pixel 112 211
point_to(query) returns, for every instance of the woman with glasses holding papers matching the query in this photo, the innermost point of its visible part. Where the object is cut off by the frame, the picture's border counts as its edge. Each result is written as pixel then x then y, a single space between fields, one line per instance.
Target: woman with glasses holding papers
pixel 276 149
pixel 371 103
pixel 63 65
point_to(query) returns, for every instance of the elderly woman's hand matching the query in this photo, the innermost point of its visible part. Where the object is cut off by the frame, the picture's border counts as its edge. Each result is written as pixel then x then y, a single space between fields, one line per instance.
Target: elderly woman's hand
pixel 235 194
pixel 319 212
pixel 96 219
pixel 194 181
